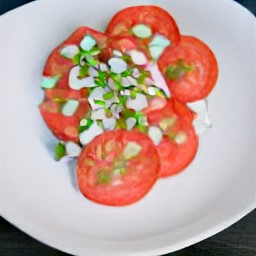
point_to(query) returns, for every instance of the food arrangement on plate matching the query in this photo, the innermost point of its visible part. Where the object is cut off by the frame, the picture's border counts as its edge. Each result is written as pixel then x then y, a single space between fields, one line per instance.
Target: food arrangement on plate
pixel 130 103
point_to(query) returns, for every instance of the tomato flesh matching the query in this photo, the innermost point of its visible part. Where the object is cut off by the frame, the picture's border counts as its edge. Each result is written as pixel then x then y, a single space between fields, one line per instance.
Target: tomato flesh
pixel 63 127
pixel 197 83
pixel 156 18
pixel 174 156
pixel 141 171
pixel 59 65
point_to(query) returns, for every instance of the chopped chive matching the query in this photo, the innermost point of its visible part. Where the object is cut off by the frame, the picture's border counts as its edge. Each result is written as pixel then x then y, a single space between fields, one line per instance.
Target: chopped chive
pixel 92 62
pixel 108 95
pixel 173 72
pixel 60 151
pixel 121 123
pixel 126 73
pixel 76 59
pixel 133 94
pixel 102 74
pixel 83 71
pixel 99 102
pixel 85 127
pixel 100 82
pixel 103 177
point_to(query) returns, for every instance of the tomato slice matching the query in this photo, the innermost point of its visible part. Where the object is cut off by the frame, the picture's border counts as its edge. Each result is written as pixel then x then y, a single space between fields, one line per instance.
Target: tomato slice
pixel 107 176
pixel 63 127
pixel 190 69
pixel 155 17
pixel 59 65
pixel 180 143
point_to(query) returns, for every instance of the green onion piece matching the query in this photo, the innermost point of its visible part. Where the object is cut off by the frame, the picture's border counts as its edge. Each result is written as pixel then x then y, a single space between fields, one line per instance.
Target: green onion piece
pixel 85 127
pixel 133 94
pixel 83 71
pixel 60 151
pixel 99 102
pixel 108 95
pixel 121 124
pixel 76 59
pixel 127 72
pixel 91 61
pixel 100 82
pixel 173 72
pixel 102 74
pixel 123 100
pixel 116 80
pixel 108 112
pixel 127 59
pixel 103 177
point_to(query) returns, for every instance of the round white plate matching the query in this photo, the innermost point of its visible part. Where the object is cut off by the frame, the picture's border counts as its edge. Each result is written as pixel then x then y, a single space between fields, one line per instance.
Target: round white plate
pixel 40 196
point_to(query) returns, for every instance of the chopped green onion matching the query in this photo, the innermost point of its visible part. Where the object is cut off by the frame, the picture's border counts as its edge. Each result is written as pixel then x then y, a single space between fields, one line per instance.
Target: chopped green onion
pixel 133 94
pixel 60 151
pixel 86 126
pixel 103 177
pixel 77 58
pixel 108 95
pixel 173 72
pixel 100 82
pixel 83 71
pixel 126 73
pixel 99 102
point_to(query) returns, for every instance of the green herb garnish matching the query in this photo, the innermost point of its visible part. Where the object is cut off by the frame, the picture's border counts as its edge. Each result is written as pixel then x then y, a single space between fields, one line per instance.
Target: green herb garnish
pixel 60 151
pixel 85 127
pixel 174 72
pixel 103 177
pixel 99 102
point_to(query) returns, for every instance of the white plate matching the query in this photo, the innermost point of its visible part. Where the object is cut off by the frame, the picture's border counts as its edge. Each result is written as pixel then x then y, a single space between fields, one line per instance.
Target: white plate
pixel 40 196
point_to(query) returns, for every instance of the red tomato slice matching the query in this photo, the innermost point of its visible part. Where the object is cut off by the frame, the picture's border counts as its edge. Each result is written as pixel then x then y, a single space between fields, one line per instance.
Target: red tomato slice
pixel 180 143
pixel 98 171
pixel 158 19
pixel 58 65
pixel 193 69
pixel 63 127
pixel 65 94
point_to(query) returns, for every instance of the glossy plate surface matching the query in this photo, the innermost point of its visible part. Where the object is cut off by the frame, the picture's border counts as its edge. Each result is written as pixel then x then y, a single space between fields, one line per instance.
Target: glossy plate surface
pixel 40 196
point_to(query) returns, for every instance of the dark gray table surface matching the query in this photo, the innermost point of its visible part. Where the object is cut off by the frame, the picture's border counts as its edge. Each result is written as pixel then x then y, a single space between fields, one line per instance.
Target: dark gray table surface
pixel 237 240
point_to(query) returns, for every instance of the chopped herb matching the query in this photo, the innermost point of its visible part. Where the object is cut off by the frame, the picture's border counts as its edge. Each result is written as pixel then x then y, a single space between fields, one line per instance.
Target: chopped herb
pixel 108 95
pixel 76 59
pixel 121 123
pixel 102 74
pixel 133 94
pixel 174 72
pixel 99 102
pixel 126 73
pixel 103 177
pixel 100 82
pixel 108 112
pixel 85 127
pixel 60 151
pixel 92 62
pixel 83 71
